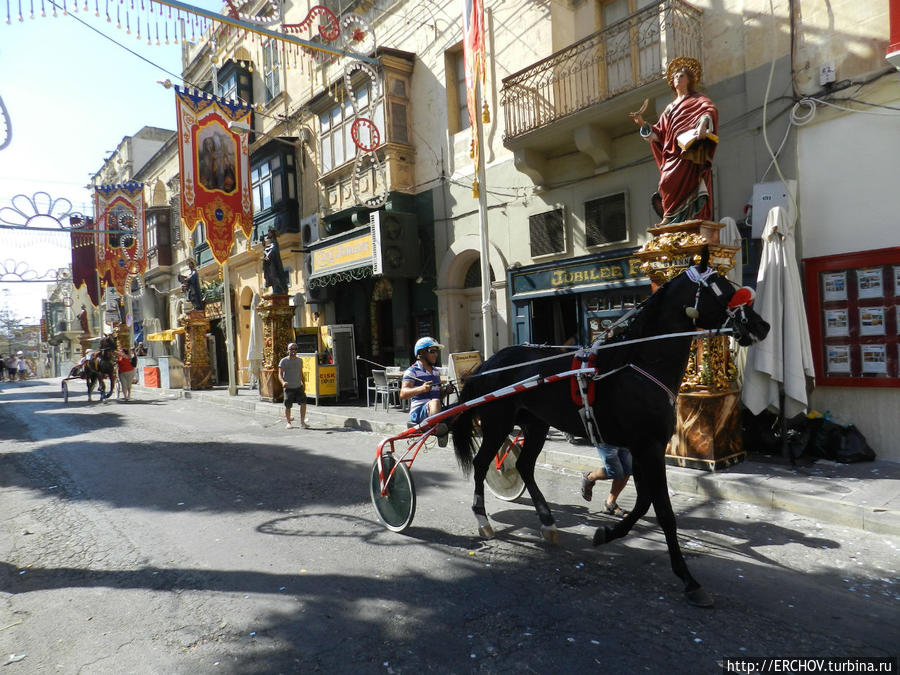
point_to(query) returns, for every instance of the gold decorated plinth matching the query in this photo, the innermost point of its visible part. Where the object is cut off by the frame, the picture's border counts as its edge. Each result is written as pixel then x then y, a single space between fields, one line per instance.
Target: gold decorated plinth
pixel 676 247
pixel 275 313
pixel 85 341
pixel 123 337
pixel 707 430
pixel 197 372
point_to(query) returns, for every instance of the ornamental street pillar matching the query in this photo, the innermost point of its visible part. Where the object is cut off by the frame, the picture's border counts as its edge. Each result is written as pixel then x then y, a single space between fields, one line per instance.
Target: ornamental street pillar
pixel 275 313
pixel 197 373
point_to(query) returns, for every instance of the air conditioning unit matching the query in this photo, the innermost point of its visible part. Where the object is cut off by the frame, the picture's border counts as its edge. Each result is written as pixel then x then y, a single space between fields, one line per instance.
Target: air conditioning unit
pixel 309 230
pixel 766 196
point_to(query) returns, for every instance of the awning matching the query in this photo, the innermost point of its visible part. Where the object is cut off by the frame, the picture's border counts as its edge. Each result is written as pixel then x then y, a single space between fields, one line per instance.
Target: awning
pixel 165 335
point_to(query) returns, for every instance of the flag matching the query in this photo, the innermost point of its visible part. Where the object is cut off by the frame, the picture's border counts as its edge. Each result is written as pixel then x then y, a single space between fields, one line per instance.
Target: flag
pixel 214 162
pixel 473 60
pixel 121 242
pixel 84 258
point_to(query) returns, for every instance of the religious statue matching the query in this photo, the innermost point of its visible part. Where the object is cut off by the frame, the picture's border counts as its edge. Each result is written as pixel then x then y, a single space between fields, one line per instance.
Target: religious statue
pixel 83 320
pixel 273 269
pixel 683 142
pixel 190 284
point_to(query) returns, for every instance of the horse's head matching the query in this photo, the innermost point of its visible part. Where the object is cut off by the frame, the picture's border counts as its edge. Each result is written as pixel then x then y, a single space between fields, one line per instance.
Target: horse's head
pixel 717 303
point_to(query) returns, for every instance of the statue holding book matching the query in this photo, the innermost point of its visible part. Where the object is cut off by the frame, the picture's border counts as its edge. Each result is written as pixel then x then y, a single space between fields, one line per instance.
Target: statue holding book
pixel 683 142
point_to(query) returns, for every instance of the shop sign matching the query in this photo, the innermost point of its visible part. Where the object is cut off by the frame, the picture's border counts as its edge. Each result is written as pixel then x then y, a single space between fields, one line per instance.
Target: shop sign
pixel 575 275
pixel 344 255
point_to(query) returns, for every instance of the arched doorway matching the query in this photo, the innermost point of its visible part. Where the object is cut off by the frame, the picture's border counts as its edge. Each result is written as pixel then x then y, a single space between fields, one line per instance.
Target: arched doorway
pixel 472 294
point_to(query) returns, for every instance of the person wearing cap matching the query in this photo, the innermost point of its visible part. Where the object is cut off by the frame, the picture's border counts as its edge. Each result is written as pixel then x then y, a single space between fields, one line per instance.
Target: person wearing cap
pixel 22 367
pixel 290 372
pixel 421 384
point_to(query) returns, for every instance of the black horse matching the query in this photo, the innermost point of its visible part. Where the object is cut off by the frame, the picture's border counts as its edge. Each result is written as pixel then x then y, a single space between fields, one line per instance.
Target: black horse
pixel 633 405
pixel 101 366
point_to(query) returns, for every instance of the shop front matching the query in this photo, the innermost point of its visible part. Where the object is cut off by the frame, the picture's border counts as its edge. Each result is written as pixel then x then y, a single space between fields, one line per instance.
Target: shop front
pixel 573 301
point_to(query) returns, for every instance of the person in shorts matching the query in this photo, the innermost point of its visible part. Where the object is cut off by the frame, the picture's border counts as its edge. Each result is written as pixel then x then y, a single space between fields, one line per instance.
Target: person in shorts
pixel 290 372
pixel 617 467
pixel 421 384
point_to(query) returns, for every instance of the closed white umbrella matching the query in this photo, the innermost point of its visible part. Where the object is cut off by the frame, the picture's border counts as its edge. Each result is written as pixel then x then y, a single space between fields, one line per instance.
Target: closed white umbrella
pixel 783 361
pixel 255 343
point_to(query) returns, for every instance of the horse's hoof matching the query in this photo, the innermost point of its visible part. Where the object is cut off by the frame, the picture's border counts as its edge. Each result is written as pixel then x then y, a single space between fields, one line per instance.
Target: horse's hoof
pixel 698 597
pixel 550 534
pixel 486 532
pixel 600 537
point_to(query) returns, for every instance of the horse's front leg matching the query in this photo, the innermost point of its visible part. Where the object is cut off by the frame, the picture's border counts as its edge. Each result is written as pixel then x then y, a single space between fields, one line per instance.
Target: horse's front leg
pixel 491 441
pixel 535 433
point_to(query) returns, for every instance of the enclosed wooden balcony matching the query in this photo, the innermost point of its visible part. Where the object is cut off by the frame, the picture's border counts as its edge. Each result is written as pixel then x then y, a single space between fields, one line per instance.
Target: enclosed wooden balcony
pixel 578 98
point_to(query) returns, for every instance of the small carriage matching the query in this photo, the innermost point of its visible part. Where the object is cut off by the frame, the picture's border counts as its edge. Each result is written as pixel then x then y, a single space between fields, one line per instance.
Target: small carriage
pixel 95 371
pixel 620 393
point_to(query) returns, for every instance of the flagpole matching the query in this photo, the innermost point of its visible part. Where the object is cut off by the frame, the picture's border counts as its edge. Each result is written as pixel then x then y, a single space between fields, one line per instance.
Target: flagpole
pixel 229 330
pixel 487 306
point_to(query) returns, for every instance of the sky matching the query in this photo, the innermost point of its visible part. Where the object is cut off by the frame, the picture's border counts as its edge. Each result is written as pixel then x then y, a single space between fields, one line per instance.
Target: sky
pixel 72 96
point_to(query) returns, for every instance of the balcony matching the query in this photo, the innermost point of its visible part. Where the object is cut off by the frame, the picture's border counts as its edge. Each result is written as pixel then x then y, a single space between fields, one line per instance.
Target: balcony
pixel 578 98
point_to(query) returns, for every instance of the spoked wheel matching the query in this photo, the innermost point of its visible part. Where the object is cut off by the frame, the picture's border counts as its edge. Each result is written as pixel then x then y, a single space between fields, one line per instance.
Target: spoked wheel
pixel 65 391
pixel 504 481
pixel 398 507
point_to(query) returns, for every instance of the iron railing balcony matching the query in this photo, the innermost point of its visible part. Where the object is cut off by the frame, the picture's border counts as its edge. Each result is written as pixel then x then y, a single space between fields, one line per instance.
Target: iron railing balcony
pixel 622 57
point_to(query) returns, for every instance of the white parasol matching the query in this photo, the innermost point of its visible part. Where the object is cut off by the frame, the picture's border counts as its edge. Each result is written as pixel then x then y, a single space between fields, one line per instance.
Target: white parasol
pixel 782 363
pixel 254 343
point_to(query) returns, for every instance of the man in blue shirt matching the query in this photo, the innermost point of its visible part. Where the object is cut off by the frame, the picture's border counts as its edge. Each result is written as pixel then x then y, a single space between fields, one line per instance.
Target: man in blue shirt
pixel 422 385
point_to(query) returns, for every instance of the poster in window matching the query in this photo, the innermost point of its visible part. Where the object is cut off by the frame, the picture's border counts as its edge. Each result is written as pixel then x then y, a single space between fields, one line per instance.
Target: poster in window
pixel 834 286
pixel 838 358
pixel 871 320
pixel 874 358
pixel 870 283
pixel 837 323
pixel 896 280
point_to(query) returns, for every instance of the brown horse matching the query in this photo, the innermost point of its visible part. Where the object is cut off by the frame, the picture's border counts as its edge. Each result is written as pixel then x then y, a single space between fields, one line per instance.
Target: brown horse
pixel 102 366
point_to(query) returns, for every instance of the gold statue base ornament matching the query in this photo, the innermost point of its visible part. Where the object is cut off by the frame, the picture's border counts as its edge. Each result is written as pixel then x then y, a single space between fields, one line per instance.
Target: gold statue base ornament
pixel 275 313
pixel 197 371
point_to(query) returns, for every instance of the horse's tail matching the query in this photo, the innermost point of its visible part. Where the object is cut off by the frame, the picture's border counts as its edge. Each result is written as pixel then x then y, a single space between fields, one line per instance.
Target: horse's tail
pixel 462 429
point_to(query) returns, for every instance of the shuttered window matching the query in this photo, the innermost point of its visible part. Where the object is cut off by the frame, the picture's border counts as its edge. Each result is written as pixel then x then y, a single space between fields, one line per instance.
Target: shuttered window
pixel 605 220
pixel 548 233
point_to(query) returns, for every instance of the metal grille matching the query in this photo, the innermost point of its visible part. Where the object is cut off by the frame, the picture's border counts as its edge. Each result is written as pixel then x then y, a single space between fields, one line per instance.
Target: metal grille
pixel 604 220
pixel 548 234
pixel 626 55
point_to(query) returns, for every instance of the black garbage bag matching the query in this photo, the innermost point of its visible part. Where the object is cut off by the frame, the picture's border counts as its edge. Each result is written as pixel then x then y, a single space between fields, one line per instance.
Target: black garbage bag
pixel 839 443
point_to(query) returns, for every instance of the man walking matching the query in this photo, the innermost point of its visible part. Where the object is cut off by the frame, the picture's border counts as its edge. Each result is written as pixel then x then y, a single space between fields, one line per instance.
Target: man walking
pixel 290 372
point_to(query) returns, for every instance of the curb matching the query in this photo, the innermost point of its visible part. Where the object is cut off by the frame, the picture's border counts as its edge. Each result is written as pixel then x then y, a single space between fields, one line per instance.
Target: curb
pixel 713 485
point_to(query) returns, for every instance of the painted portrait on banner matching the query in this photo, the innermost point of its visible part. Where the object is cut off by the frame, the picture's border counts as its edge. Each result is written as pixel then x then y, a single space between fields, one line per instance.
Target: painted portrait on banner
pixel 217 157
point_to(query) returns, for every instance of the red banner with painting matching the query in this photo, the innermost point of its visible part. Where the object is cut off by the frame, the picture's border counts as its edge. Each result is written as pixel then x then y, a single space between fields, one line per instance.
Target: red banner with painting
pixel 214 161
pixel 84 257
pixel 121 242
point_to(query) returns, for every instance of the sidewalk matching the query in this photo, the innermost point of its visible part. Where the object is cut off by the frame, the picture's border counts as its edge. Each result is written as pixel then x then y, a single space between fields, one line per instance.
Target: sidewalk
pixel 863 495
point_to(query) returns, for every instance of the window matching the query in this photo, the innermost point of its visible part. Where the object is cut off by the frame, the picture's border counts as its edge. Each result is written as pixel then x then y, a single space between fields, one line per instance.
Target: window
pixel 337 147
pixel 271 71
pixel 198 236
pixel 228 87
pixel 457 112
pixel 605 220
pixel 632 54
pixel 261 182
pixel 548 233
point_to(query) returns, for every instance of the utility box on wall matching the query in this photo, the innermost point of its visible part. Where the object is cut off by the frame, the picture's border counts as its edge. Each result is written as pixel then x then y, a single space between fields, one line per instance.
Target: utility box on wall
pixel 768 195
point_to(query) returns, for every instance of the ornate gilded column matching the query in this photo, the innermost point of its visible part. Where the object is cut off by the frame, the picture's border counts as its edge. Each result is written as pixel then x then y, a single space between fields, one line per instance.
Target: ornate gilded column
pixel 197 373
pixel 275 312
pixel 708 430
pixel 123 336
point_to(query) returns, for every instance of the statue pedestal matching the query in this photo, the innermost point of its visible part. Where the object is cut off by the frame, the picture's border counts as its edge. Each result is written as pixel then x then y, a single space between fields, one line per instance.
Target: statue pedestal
pixel 197 372
pixel 708 430
pixel 84 339
pixel 275 313
pixel 123 337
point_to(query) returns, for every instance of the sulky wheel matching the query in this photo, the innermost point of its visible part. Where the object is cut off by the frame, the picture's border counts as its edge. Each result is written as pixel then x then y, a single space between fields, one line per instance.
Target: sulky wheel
pixel 65 391
pixel 505 482
pixel 398 507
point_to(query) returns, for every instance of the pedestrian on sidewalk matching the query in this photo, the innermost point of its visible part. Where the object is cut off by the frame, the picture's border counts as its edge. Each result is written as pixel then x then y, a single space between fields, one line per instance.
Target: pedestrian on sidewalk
pixel 126 364
pixel 290 372
pixel 611 505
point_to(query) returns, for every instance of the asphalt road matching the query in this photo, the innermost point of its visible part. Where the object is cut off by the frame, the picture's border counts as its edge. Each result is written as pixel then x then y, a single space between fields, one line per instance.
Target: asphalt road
pixel 172 536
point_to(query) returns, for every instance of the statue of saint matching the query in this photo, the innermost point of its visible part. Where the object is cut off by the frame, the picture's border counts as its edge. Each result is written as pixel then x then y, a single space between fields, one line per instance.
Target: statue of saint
pixel 83 320
pixel 190 284
pixel 683 142
pixel 273 269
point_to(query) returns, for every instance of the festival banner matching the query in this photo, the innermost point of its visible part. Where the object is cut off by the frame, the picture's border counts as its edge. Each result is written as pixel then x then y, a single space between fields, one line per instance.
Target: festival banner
pixel 84 258
pixel 214 162
pixel 120 241
pixel 473 60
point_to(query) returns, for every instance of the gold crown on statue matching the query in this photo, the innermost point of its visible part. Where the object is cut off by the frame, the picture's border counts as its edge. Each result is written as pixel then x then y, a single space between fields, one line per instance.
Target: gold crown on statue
pixel 688 63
